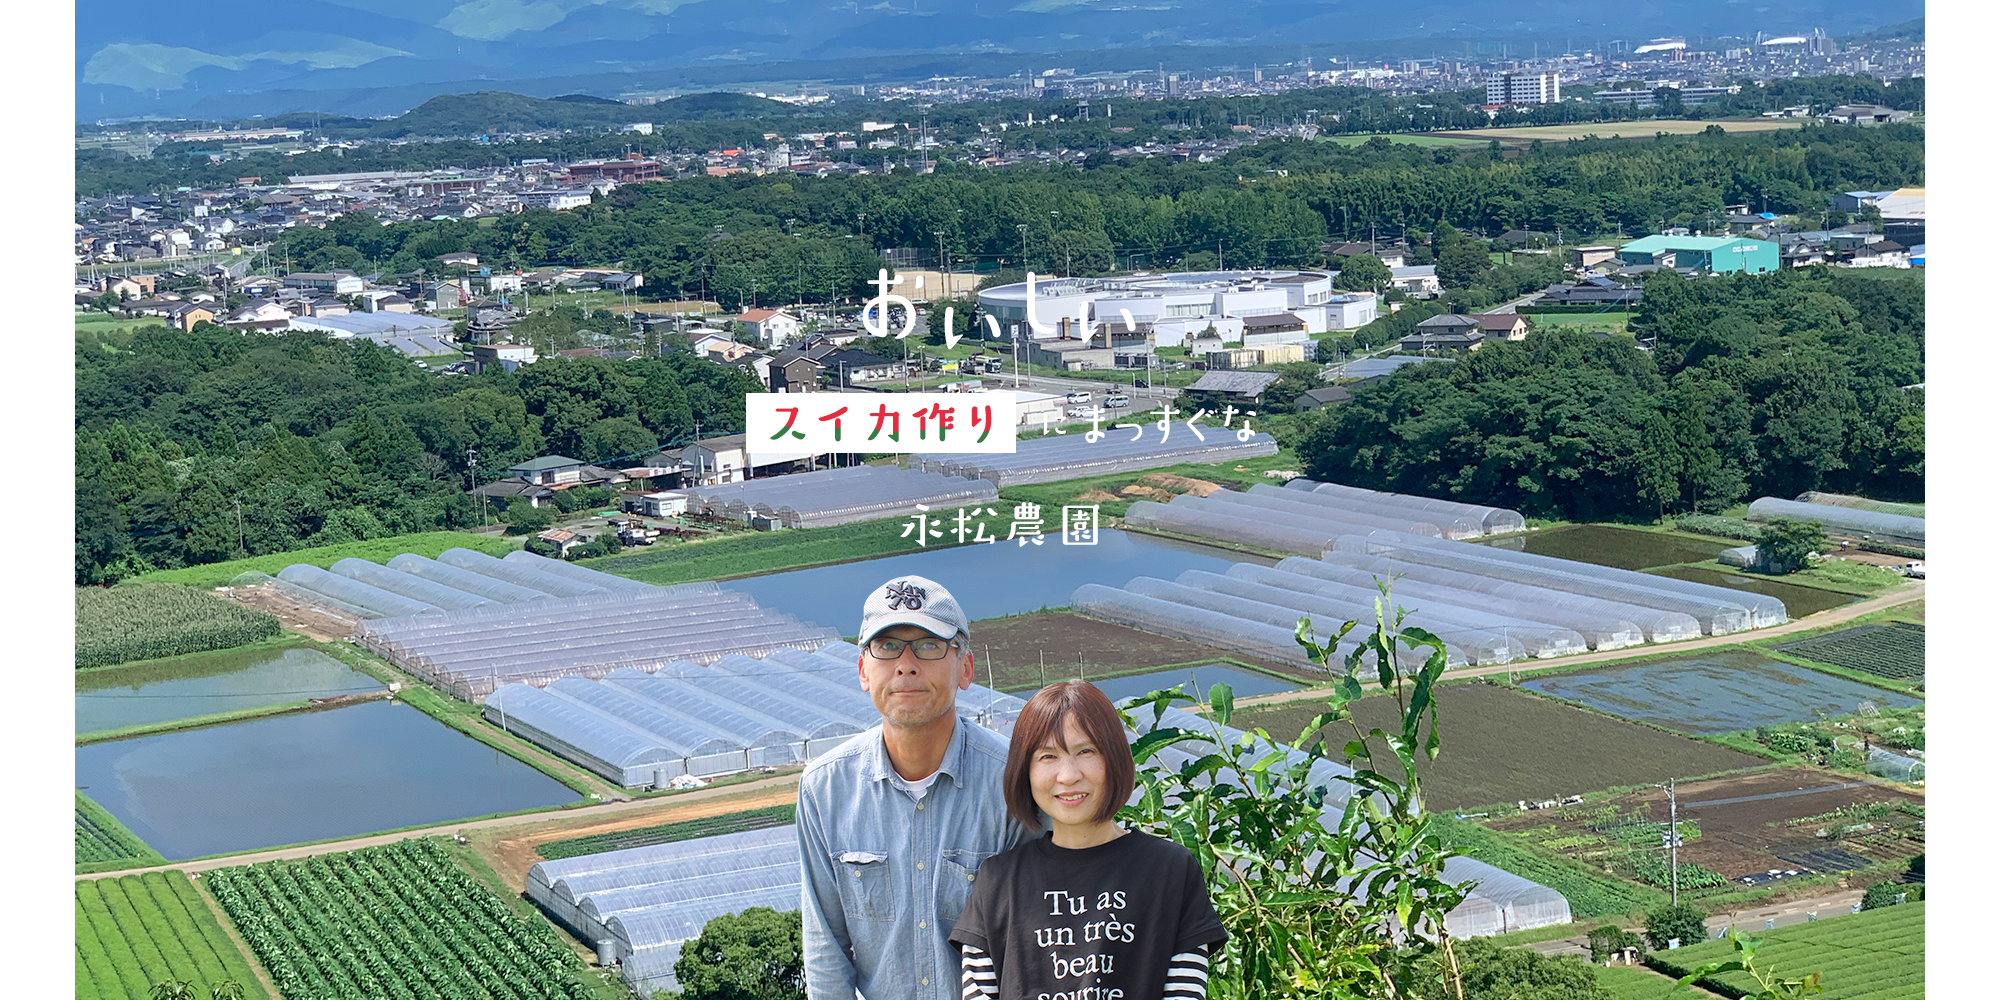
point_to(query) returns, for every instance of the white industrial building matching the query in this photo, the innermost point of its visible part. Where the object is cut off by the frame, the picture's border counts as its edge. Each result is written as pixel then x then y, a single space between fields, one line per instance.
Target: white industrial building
pixel 1523 88
pixel 1167 310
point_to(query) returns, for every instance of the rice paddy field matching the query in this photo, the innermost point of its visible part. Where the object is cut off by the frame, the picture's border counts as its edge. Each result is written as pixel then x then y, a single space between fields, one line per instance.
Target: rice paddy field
pixel 1718 691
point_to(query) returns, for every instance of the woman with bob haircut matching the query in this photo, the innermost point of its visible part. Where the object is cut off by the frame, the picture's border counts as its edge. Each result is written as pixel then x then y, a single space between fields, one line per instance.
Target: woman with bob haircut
pixel 1090 910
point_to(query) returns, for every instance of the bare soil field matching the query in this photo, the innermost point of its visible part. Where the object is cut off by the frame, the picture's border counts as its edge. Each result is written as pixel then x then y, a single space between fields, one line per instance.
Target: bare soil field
pixel 306 620
pixel 1612 130
pixel 1743 819
pixel 1502 745
pixel 511 850
pixel 1056 645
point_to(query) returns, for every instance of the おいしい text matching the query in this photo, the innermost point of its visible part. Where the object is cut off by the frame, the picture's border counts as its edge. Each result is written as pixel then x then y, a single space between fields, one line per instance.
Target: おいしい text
pixel 779 423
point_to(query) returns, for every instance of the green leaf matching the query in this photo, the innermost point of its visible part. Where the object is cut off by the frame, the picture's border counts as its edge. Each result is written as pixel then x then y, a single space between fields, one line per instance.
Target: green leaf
pixel 1221 701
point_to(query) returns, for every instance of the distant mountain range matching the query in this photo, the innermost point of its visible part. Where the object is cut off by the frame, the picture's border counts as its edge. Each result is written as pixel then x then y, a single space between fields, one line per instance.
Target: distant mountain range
pixel 233 58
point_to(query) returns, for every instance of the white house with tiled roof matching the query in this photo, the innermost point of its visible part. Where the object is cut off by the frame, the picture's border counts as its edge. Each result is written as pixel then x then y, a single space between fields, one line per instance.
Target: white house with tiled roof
pixel 772 327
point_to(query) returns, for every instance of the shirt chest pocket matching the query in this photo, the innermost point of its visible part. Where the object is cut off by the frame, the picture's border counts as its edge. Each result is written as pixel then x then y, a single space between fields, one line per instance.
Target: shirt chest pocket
pixel 957 871
pixel 865 889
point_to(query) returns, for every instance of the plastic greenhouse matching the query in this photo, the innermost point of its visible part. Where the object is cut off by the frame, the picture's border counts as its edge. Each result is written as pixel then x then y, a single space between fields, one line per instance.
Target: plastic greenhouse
pixel 1074 455
pixel 500 591
pixel 1540 634
pixel 1243 527
pixel 1603 624
pixel 1852 521
pixel 839 496
pixel 519 574
pixel 571 571
pixel 1195 624
pixel 1449 524
pixel 1483 639
pixel 1492 520
pixel 1743 556
pixel 1890 764
pixel 1717 610
pixel 415 588
pixel 373 600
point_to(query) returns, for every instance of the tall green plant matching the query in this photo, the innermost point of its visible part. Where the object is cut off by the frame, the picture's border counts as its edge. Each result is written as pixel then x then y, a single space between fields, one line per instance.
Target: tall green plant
pixel 1353 909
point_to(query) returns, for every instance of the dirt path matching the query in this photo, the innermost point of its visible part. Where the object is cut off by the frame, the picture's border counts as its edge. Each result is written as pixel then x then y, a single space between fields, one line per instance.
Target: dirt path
pixel 236 938
pixel 1749 919
pixel 512 853
pixel 641 812
pixel 1912 590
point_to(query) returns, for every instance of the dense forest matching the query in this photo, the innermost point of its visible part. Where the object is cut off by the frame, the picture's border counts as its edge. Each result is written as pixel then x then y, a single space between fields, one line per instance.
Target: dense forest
pixel 701 122
pixel 1756 385
pixel 197 447
pixel 779 238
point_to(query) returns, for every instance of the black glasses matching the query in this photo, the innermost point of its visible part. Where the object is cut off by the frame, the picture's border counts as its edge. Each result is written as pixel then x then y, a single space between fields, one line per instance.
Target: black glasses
pixel 885 648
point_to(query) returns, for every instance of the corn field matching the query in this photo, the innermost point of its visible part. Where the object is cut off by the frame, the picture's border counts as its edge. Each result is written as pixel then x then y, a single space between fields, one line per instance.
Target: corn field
pixel 121 624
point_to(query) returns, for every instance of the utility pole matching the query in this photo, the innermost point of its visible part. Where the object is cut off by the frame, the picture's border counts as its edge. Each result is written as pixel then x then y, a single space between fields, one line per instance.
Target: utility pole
pixel 472 473
pixel 1673 843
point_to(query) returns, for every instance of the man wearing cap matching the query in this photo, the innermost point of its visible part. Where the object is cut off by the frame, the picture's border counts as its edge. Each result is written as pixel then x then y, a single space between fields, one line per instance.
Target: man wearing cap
pixel 893 824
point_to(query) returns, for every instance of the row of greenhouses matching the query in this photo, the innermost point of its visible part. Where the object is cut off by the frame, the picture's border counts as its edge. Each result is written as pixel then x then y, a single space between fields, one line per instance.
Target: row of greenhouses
pixel 1453 519
pixel 470 623
pixel 1113 452
pixel 643 728
pixel 1856 522
pixel 1488 605
pixel 839 496
pixel 640 905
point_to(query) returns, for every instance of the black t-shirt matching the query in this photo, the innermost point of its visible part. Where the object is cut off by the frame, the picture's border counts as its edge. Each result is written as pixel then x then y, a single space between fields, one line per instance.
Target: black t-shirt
pixel 1099 923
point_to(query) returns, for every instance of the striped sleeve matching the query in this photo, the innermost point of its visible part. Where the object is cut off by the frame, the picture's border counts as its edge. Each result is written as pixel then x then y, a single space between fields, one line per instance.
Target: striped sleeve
pixel 977 966
pixel 1187 976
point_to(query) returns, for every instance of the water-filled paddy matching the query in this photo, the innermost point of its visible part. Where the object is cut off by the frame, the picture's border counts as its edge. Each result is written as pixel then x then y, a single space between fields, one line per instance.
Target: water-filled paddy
pixel 1718 692
pixel 208 683
pixel 304 777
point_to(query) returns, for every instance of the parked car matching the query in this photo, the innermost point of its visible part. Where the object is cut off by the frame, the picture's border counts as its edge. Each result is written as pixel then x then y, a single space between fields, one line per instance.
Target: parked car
pixel 1080 412
pixel 1912 569
pixel 1077 397
pixel 1139 383
pixel 1117 399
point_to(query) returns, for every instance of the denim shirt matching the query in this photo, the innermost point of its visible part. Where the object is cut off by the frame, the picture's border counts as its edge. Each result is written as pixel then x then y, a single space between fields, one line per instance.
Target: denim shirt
pixel 885 876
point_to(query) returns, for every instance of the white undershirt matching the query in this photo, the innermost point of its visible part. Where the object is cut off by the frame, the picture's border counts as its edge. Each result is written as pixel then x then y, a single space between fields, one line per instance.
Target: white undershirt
pixel 918 788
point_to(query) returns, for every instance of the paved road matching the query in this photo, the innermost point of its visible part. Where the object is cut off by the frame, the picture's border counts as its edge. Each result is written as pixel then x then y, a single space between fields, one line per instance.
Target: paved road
pixel 597 812
pixel 1910 590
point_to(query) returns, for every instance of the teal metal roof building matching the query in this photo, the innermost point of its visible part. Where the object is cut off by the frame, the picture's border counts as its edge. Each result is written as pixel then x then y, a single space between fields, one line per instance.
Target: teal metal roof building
pixel 1720 254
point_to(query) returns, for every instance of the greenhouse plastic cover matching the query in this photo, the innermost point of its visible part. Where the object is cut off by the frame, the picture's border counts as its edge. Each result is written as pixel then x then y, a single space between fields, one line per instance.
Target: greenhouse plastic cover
pixel 1074 455
pixel 1494 520
pixel 1603 624
pixel 1717 610
pixel 1478 639
pixel 1528 623
pixel 415 588
pixel 840 496
pixel 1744 556
pixel 1449 524
pixel 353 593
pixel 1241 527
pixel 1844 520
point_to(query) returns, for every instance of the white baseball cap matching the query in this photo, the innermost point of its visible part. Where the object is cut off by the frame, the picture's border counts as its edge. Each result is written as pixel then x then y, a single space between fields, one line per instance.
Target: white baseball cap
pixel 913 600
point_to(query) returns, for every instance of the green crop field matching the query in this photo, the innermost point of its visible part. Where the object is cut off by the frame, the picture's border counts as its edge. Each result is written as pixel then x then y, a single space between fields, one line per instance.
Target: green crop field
pixel 708 826
pixel 121 624
pixel 402 920
pixel 100 838
pixel 1637 983
pixel 1873 955
pixel 380 550
pixel 1894 650
pixel 138 930
pixel 1590 892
